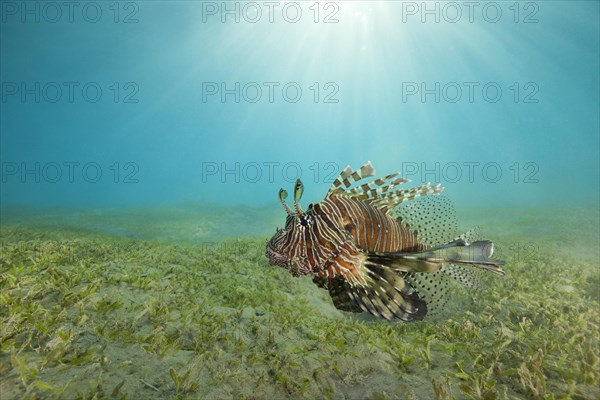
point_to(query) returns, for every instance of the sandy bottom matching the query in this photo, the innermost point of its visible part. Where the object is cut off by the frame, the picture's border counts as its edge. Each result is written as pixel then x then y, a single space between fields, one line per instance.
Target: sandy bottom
pixel 181 303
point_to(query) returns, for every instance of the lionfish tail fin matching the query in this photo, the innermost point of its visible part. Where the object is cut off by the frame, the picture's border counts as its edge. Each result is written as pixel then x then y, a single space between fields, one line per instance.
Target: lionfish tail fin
pixel 478 254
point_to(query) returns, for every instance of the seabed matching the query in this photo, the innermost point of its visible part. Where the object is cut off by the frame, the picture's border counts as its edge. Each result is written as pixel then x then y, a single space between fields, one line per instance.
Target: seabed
pixel 120 305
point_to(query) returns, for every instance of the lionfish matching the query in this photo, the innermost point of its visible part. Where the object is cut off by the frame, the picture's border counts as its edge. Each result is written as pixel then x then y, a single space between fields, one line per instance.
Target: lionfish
pixel 370 259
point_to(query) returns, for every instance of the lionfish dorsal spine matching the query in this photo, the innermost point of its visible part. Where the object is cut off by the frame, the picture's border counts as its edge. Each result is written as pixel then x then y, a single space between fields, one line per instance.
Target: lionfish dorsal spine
pixel 348 176
pixel 383 193
pixel 388 200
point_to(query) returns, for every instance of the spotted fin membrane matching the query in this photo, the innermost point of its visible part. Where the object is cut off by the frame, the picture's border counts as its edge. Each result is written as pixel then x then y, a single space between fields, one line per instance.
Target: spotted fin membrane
pixel 434 219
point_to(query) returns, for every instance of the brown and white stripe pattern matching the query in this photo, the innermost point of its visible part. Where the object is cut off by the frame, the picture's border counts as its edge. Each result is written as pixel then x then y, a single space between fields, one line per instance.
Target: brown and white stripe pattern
pixel 330 240
pixel 353 245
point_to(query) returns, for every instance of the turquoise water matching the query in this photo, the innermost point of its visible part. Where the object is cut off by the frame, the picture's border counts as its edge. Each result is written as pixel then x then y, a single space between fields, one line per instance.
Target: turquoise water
pixel 143 145
pixel 156 129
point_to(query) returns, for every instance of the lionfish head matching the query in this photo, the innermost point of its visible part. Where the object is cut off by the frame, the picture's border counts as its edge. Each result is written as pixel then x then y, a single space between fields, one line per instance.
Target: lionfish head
pixel 282 249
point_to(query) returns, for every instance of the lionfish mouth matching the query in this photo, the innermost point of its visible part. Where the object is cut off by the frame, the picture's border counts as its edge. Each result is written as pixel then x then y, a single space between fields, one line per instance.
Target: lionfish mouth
pixel 275 258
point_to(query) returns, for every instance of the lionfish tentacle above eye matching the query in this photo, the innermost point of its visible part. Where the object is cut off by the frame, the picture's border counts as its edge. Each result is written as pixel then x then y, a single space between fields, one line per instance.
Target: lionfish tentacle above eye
pixel 298 190
pixel 282 196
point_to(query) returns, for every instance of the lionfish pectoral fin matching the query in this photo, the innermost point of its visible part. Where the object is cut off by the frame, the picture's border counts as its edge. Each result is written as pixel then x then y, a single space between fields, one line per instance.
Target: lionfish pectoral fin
pixel 338 289
pixel 386 294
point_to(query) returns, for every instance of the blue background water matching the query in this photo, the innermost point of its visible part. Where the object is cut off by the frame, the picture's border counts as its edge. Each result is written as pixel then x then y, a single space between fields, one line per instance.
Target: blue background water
pixel 168 134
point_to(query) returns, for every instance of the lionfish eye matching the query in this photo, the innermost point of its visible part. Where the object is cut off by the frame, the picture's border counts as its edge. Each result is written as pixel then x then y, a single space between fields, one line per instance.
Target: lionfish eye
pixel 303 222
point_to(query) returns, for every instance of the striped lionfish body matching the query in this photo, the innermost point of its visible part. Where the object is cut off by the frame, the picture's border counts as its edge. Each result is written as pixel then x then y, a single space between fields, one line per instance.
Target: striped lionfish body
pixel 352 244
